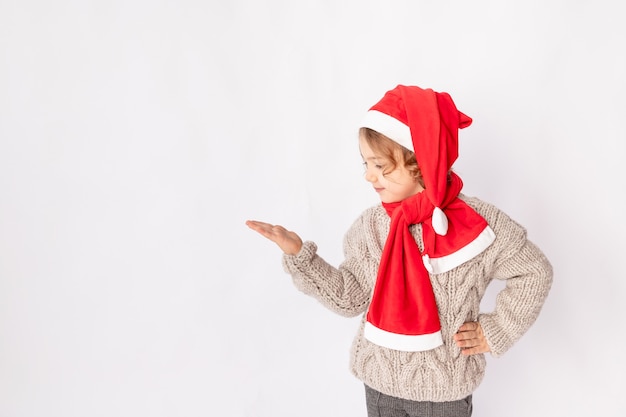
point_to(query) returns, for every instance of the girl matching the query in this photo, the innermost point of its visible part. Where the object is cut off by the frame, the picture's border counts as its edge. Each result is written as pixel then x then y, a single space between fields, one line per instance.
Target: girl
pixel 417 265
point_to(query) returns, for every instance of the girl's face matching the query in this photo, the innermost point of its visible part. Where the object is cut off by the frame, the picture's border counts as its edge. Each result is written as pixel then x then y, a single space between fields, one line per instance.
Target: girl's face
pixel 391 187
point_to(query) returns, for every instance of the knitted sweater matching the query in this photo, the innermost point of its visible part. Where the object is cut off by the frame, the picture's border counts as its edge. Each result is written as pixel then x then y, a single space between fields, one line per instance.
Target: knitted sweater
pixel 441 374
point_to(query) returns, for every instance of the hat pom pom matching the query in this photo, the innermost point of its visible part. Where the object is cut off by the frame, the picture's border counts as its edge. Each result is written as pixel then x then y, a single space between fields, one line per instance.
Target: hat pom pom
pixel 440 222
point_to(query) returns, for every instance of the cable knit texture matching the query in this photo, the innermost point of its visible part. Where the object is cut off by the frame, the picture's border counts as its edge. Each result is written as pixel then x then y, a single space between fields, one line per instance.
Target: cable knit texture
pixel 441 374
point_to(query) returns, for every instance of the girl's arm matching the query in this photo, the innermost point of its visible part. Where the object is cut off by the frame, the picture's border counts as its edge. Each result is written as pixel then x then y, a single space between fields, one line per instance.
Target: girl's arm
pixel 342 290
pixel 528 276
pixel 345 290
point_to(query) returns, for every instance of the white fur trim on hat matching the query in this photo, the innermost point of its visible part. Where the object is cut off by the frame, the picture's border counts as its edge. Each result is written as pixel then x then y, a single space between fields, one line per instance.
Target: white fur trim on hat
pixel 467 252
pixel 427 265
pixel 389 126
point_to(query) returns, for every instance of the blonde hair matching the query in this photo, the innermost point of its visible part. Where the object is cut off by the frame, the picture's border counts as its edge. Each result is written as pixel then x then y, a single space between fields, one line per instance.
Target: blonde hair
pixel 391 150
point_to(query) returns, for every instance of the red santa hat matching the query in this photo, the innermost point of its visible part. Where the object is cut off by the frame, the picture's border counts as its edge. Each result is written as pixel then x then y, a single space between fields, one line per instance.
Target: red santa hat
pixel 403 311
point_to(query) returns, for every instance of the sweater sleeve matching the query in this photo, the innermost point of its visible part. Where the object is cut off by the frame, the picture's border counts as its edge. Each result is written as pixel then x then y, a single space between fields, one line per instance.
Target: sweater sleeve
pixel 528 275
pixel 345 290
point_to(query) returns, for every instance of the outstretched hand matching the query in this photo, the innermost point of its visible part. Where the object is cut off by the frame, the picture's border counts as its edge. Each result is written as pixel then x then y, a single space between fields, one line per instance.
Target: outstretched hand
pixel 471 339
pixel 288 241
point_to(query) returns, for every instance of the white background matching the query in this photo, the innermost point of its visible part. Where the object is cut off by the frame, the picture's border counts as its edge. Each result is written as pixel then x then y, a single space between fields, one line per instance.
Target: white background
pixel 136 137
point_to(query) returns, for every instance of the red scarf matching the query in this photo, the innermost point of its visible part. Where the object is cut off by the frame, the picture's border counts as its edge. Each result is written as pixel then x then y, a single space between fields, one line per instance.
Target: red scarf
pixel 403 301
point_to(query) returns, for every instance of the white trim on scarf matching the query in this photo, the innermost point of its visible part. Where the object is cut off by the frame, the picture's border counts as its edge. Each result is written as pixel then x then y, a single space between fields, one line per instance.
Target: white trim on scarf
pixel 467 252
pixel 403 342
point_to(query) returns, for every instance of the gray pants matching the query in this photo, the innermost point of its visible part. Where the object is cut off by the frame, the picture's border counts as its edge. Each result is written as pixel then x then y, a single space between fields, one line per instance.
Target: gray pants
pixel 381 405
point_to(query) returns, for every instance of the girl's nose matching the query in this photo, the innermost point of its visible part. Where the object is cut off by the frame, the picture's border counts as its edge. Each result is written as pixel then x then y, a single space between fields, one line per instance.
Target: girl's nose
pixel 369 176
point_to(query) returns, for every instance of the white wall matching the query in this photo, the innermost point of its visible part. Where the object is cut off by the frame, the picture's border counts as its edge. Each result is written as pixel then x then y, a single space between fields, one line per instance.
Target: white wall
pixel 136 137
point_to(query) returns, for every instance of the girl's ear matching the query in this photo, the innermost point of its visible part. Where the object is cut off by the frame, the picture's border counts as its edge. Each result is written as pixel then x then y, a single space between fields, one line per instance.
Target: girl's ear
pixel 417 174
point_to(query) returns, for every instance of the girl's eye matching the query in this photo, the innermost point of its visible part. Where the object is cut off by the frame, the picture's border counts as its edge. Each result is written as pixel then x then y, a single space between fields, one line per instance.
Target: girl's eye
pixel 377 166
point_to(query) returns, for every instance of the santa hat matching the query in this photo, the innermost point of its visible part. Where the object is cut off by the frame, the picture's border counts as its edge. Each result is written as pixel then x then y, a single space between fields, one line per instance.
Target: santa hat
pixel 408 112
pixel 403 312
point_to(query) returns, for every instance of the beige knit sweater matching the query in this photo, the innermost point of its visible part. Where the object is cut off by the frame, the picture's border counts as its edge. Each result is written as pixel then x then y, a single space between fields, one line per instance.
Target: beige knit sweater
pixel 441 374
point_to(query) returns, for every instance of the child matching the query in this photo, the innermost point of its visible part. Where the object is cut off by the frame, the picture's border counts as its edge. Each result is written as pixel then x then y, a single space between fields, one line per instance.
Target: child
pixel 418 265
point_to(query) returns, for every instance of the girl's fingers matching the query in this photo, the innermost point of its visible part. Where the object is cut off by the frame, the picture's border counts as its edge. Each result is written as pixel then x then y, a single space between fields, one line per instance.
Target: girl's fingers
pixel 289 242
pixel 256 225
pixel 471 339
pixel 265 229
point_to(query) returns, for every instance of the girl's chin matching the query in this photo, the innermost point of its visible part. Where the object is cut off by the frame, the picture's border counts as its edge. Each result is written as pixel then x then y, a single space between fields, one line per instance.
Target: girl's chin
pixel 389 201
